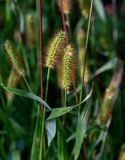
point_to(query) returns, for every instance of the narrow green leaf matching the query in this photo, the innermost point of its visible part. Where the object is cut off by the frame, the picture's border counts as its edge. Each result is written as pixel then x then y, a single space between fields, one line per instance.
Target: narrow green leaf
pixel 23 93
pixel 13 128
pixel 61 143
pixel 16 127
pixel 51 130
pixel 80 131
pixel 100 9
pixel 57 112
pixel 109 65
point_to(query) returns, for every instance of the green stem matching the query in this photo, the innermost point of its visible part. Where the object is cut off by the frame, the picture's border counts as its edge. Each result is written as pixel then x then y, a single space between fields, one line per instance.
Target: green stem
pixel 2 100
pixel 35 134
pixel 25 59
pixel 63 17
pixel 65 98
pixel 86 44
pixel 62 97
pixel 43 117
pixel 37 121
pixel 27 84
pixel 68 21
pixel 60 145
pixel 47 84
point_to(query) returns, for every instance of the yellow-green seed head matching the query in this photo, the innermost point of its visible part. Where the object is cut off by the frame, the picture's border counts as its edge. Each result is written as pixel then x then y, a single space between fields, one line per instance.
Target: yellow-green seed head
pixel 55 49
pixel 107 105
pixel 12 82
pixel 110 95
pixel 67 68
pixel 14 57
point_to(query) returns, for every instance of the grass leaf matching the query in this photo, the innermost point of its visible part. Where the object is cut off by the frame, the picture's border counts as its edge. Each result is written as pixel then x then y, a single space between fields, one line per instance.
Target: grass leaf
pixel 109 65
pixel 57 112
pixel 80 131
pixel 23 93
pixel 51 130
pixel 100 9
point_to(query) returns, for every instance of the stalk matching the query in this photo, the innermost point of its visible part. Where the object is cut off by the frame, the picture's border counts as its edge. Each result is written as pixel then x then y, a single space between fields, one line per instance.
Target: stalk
pixel 41 59
pixel 65 98
pixel 68 21
pixel 63 16
pixel 27 84
pixel 86 44
pixel 43 117
pixel 47 84
pixel 37 121
pixel 35 133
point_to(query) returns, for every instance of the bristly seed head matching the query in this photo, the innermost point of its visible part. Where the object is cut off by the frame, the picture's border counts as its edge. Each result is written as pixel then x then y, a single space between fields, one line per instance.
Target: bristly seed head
pixel 15 58
pixel 12 82
pixel 55 49
pixel 67 69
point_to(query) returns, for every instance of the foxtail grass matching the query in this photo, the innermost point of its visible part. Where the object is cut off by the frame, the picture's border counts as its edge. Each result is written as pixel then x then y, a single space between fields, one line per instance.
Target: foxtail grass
pixel 14 58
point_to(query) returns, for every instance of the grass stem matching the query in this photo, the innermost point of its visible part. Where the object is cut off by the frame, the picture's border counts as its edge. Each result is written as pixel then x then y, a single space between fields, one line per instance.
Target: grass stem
pixel 63 16
pixel 86 44
pixel 27 84
pixel 65 98
pixel 43 118
pixel 41 59
pixel 35 134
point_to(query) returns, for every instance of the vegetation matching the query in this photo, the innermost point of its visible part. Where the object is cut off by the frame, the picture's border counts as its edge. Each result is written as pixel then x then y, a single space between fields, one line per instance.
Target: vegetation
pixel 62 80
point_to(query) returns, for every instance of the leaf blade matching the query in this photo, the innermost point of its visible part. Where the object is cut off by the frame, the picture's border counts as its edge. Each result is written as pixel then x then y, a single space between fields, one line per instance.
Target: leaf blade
pixel 23 93
pixel 80 131
pixel 57 112
pixel 51 130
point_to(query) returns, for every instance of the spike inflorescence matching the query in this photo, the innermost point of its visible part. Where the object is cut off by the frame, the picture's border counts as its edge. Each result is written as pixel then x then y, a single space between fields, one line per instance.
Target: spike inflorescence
pixel 66 72
pixel 15 58
pixel 55 49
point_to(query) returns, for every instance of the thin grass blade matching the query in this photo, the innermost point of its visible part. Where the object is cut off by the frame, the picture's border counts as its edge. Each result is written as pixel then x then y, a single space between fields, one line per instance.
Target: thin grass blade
pixel 80 131
pixel 23 93
pixel 100 9
pixel 57 112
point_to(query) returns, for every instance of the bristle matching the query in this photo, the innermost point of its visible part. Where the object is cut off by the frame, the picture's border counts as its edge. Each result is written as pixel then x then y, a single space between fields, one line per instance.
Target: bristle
pixel 14 57
pixel 12 82
pixel 67 5
pixel 55 49
pixel 67 69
